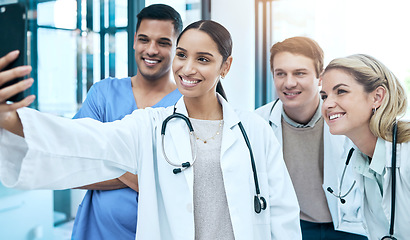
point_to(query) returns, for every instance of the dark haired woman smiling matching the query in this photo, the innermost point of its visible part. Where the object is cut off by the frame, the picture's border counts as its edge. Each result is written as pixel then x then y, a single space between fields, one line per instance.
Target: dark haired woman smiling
pixel 201 184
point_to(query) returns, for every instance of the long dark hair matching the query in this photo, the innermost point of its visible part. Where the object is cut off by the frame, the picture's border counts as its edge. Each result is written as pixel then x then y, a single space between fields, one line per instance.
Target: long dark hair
pixel 221 37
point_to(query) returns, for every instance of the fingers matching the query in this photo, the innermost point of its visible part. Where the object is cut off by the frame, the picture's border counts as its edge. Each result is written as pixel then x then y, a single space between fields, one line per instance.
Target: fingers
pixel 14 73
pixel 14 106
pixel 10 57
pixel 7 92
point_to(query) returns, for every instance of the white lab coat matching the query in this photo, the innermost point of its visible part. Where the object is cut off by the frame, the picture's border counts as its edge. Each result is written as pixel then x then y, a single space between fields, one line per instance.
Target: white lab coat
pixel 346 217
pixel 379 226
pixel 86 151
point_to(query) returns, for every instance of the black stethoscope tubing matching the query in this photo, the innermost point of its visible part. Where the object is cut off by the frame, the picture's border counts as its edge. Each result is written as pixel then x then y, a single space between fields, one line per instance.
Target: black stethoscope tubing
pixel 340 196
pixel 179 167
pixel 259 201
pixel 270 113
pixel 393 185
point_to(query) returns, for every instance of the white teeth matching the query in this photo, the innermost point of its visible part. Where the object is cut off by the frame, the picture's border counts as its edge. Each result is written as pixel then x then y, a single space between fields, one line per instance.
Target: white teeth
pixel 189 82
pixel 335 116
pixel 151 61
pixel 291 94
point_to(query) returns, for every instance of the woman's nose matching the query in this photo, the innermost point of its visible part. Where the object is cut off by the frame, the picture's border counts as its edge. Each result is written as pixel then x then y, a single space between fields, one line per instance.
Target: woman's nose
pixel 328 102
pixel 189 67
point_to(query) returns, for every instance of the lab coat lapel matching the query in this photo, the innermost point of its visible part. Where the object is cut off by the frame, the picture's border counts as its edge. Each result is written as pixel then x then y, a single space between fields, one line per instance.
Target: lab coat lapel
pixel 235 172
pixel 275 118
pixel 231 121
pixel 179 133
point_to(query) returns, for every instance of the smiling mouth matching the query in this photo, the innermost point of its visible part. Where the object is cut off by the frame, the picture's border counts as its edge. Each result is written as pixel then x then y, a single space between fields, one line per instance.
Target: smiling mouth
pixel 291 93
pixel 189 82
pixel 336 116
pixel 151 61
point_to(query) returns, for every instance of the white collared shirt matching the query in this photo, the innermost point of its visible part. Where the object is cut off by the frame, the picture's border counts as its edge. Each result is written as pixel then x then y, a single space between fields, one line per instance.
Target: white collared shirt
pixel 374 179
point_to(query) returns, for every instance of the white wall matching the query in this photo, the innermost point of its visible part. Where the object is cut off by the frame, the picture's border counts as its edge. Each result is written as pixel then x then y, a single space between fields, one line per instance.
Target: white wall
pixel 239 18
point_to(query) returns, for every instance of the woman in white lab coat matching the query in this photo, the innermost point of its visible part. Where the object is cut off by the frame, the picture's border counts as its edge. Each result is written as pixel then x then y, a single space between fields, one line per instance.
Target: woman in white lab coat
pixel 213 199
pixel 363 100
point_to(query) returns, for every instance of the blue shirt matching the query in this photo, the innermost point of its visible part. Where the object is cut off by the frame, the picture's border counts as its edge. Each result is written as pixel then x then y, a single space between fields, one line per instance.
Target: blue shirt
pixel 110 214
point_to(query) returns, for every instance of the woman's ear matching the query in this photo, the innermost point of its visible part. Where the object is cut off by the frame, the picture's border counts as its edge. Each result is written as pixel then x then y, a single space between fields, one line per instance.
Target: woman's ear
pixel 226 66
pixel 378 95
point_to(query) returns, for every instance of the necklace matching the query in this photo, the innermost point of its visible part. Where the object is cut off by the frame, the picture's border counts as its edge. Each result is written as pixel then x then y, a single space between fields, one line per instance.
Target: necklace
pixel 213 136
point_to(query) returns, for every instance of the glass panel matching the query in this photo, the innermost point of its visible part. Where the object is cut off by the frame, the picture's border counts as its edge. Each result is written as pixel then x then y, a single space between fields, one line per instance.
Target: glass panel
pixel 57 71
pixel 107 55
pixel 121 59
pixel 45 16
pixel 121 14
pixel 59 14
pixel 106 13
pixel 95 48
pixel 190 10
pixel 96 15
pixel 193 11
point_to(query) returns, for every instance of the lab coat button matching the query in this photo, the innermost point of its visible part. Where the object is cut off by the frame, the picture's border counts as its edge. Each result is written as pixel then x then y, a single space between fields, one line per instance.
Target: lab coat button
pixel 189 207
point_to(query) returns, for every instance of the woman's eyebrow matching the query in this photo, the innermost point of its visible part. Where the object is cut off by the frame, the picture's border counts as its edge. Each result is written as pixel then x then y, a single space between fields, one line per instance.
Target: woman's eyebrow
pixel 339 85
pixel 205 53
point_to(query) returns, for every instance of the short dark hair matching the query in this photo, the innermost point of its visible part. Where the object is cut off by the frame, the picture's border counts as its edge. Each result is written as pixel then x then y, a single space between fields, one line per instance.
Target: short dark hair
pixel 160 12
pixel 302 46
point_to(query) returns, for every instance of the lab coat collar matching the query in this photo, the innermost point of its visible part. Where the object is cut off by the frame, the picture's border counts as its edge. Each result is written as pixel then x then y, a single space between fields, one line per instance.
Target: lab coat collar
pixel 380 160
pixel 377 164
pixel 389 152
pixel 180 107
pixel 275 115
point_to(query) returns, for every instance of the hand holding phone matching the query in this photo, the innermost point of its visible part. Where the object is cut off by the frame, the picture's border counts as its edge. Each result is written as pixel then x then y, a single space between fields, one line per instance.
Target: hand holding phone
pixel 7 109
pixel 13 36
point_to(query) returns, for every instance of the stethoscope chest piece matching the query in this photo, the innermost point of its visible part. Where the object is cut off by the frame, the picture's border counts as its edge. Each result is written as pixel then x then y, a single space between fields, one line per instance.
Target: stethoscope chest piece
pixel 259 203
pixel 388 238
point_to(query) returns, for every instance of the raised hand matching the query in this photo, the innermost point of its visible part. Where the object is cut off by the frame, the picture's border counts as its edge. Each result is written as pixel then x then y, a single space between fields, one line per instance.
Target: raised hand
pixel 8 110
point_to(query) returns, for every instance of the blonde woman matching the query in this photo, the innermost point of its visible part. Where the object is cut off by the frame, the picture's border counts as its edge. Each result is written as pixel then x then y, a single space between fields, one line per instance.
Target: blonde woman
pixel 363 100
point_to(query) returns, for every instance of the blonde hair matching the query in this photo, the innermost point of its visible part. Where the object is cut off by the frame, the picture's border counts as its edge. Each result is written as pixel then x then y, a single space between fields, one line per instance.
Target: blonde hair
pixel 371 74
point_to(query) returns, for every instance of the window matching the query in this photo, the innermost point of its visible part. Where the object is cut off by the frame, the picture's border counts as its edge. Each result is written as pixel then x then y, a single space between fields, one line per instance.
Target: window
pixel 346 27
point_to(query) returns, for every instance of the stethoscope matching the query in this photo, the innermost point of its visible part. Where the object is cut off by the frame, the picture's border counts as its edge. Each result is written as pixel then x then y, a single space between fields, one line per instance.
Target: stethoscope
pixel 393 189
pixel 340 196
pixel 259 201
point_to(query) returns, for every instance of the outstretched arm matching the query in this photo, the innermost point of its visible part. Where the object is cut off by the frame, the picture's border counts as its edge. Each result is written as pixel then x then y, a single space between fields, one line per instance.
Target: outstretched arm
pixel 9 118
pixel 96 106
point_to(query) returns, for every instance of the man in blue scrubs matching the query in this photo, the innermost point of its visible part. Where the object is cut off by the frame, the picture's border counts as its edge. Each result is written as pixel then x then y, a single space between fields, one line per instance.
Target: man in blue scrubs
pixel 109 209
